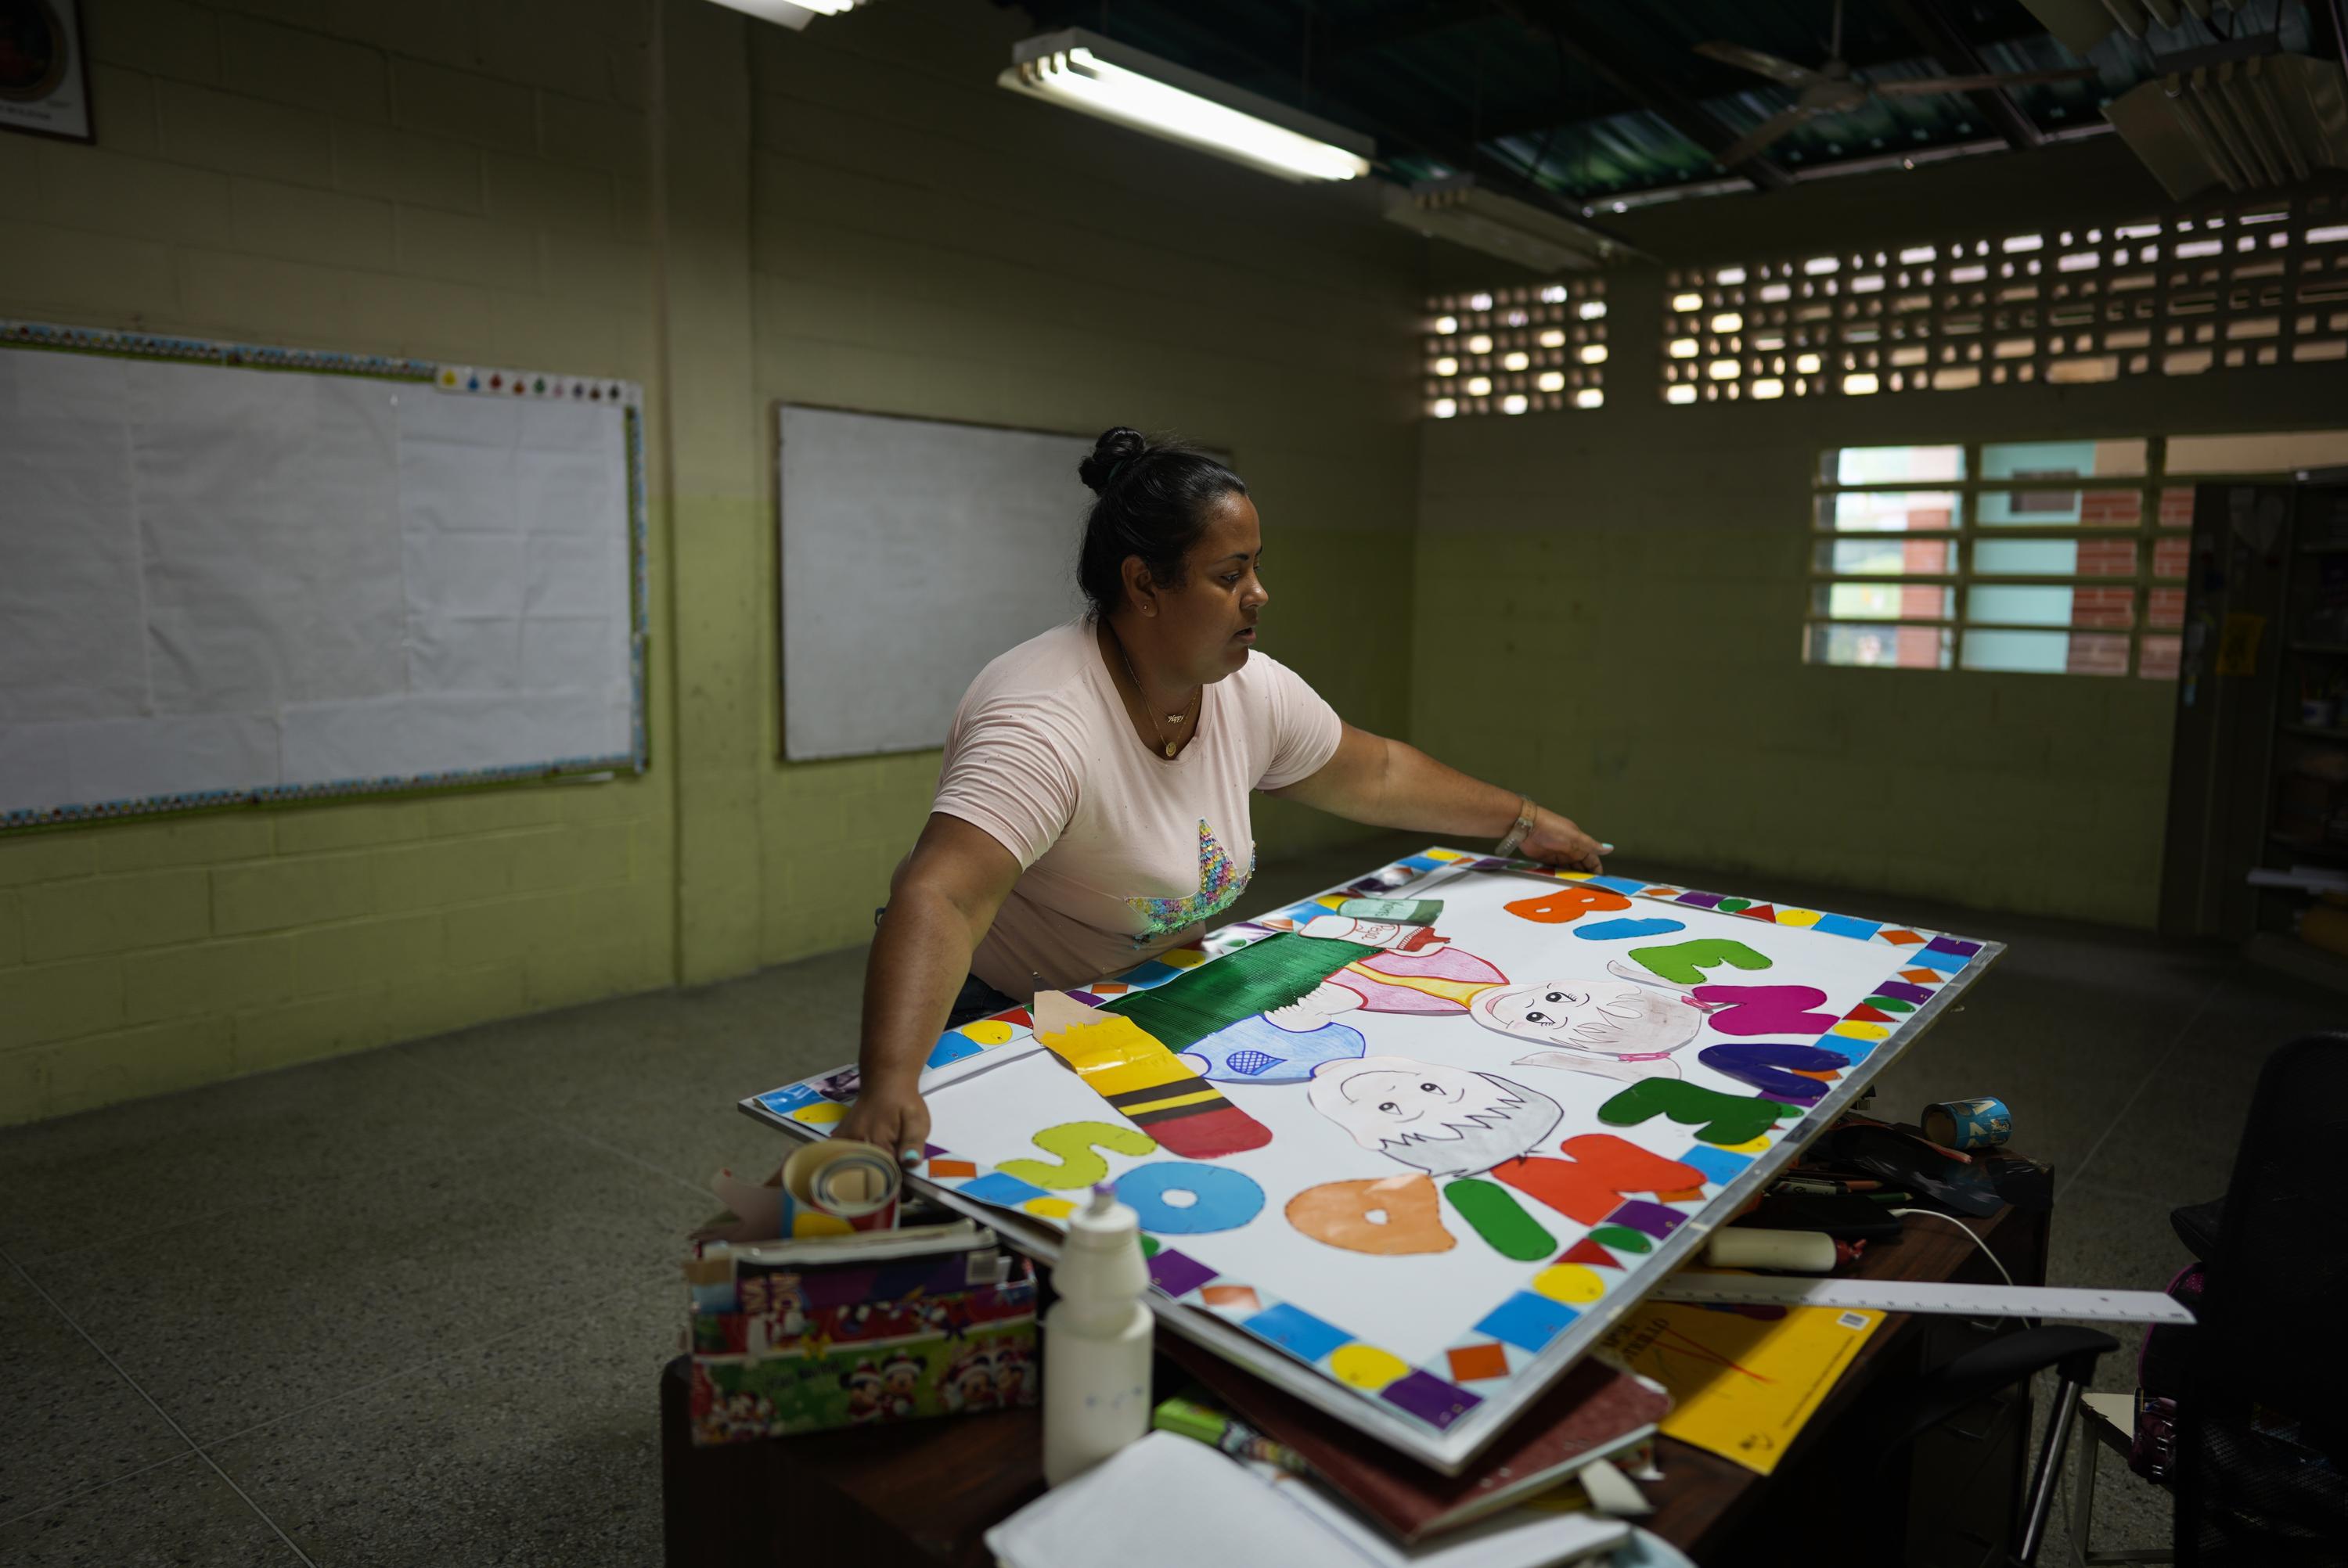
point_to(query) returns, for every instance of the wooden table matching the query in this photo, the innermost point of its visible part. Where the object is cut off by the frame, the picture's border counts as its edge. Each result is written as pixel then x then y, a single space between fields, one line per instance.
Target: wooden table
pixel 923 1494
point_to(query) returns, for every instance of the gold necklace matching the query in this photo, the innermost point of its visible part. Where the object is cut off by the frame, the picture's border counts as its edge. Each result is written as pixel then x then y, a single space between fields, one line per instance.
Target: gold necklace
pixel 1143 696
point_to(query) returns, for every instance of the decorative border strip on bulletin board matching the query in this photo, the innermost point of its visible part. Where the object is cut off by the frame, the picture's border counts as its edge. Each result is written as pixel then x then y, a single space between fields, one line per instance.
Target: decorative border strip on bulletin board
pixel 1434 1410
pixel 624 396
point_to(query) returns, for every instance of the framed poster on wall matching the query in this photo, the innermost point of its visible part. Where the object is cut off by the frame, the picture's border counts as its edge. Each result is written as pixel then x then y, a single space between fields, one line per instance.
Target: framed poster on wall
pixel 45 70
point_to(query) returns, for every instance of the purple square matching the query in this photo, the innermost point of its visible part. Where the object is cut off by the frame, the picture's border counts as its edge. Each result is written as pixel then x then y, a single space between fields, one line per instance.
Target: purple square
pixel 1430 1398
pixel 1952 945
pixel 1701 900
pixel 1652 1218
pixel 1176 1273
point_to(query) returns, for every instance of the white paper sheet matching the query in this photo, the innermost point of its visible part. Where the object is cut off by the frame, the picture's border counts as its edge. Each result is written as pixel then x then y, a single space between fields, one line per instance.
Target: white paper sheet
pixel 233 579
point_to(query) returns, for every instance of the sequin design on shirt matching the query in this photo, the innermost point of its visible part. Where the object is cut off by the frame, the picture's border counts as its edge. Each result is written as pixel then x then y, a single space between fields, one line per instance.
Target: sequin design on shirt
pixel 1220 881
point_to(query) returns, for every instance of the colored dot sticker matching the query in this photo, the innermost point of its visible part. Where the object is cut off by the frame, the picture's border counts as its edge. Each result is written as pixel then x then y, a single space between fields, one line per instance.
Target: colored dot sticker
pixel 1569 1283
pixel 822 1115
pixel 988 1031
pixel 1183 958
pixel 1050 1208
pixel 1367 1366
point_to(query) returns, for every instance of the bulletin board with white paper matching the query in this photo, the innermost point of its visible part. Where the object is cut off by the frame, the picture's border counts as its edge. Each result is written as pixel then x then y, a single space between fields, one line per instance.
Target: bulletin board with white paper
pixel 236 573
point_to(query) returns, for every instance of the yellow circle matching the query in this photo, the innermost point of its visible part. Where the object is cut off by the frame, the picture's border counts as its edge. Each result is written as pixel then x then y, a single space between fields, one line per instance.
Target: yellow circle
pixel 1367 1366
pixel 1444 854
pixel 1569 1282
pixel 1750 1145
pixel 1851 1030
pixel 987 1031
pixel 822 1115
pixel 1797 916
pixel 1050 1208
pixel 1183 958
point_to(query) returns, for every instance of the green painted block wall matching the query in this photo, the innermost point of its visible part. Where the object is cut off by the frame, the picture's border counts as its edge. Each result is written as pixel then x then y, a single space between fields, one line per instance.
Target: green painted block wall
pixel 926 243
pixel 450 181
pixel 474 180
pixel 1607 613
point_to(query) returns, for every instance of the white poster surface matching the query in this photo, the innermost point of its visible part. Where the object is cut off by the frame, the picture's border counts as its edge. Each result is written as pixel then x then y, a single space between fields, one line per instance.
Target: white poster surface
pixel 1418 1143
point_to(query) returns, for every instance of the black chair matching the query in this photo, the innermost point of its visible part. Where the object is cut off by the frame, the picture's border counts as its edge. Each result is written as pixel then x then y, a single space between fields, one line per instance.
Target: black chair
pixel 1880 1434
pixel 2263 1427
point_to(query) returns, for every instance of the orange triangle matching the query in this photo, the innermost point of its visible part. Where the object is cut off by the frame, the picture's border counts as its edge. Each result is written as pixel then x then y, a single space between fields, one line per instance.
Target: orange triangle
pixel 1828 1076
pixel 1759 912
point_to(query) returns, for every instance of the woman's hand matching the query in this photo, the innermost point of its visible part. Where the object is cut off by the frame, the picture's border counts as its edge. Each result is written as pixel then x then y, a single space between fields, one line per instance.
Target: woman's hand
pixel 1557 840
pixel 890 1116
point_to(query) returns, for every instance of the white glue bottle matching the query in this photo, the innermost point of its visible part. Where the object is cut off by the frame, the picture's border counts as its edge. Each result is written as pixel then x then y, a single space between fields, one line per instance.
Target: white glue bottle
pixel 1096 1340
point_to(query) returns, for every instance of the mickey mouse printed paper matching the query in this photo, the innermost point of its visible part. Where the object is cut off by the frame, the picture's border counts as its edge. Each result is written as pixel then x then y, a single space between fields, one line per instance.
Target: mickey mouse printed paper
pixel 1412 1169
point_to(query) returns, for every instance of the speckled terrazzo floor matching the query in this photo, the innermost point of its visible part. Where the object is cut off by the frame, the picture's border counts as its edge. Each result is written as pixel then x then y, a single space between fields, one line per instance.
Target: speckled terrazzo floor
pixel 408 1306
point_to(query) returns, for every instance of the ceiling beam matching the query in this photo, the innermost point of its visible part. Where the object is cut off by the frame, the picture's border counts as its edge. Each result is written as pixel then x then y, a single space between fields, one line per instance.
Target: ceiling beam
pixel 1709 79
pixel 1930 26
pixel 1406 28
pixel 1616 67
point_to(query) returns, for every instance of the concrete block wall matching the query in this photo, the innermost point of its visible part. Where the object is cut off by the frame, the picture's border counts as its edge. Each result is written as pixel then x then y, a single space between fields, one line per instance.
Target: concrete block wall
pixel 1609 611
pixel 475 180
pixel 445 180
pixel 924 242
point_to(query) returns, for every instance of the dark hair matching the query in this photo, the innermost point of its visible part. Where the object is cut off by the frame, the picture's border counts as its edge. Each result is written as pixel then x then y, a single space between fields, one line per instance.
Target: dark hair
pixel 1154 501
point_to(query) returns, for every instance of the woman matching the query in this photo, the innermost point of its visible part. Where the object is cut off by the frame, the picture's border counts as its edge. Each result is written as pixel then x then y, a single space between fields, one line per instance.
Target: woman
pixel 1092 810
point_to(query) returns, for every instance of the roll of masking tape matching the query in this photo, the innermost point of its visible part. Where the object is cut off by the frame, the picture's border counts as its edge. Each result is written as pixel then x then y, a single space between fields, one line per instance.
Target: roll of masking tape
pixel 1965 1125
pixel 839 1185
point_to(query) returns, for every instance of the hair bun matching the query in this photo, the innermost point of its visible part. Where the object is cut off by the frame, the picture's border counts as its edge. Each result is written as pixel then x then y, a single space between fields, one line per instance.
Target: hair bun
pixel 1114 446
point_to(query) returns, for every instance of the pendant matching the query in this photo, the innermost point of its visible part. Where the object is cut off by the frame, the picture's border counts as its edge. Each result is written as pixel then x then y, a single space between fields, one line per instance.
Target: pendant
pixel 1170 749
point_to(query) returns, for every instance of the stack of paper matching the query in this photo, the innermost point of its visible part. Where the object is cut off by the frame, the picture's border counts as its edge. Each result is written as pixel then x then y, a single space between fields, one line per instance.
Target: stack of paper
pixel 1170 1502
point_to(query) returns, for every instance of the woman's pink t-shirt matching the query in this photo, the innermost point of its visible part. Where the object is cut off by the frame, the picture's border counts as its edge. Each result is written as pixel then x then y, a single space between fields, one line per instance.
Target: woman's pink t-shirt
pixel 1122 852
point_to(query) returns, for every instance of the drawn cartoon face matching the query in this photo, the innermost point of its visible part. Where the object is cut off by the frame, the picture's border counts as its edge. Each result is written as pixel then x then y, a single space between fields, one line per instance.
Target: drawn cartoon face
pixel 1611 1017
pixel 901 1376
pixel 1010 1375
pixel 1446 1120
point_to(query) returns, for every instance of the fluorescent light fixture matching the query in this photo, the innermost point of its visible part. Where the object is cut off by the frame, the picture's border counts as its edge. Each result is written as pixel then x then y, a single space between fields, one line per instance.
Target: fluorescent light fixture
pixel 1457 208
pixel 792 14
pixel 1097 76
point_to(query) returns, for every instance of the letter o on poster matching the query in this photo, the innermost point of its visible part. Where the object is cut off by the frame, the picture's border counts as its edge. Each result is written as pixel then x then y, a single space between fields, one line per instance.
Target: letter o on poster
pixel 1182 1197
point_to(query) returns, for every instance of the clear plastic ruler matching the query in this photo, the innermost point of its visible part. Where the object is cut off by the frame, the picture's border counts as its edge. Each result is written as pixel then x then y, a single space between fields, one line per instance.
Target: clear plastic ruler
pixel 2070 1303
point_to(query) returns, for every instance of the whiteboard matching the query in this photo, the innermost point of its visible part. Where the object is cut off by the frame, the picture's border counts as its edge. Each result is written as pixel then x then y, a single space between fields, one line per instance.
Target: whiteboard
pixel 231 573
pixel 913 551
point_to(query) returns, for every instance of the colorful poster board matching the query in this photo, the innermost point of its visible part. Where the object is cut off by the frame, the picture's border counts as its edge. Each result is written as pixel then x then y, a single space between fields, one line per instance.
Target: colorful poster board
pixel 1411 1147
